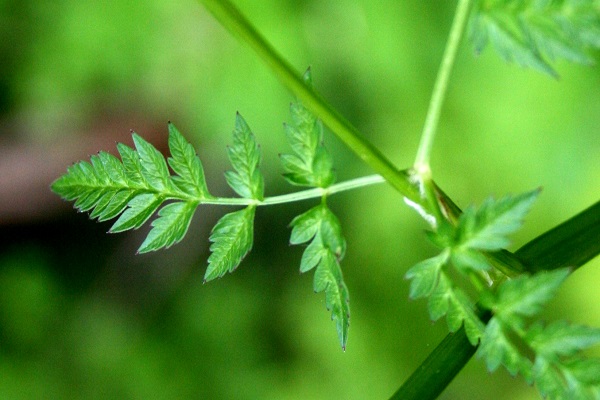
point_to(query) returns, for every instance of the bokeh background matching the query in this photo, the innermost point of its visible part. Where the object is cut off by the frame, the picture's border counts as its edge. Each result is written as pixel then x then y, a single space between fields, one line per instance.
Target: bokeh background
pixel 83 317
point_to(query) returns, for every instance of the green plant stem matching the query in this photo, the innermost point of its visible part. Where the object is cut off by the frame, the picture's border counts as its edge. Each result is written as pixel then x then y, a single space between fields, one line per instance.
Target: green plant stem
pixel 440 88
pixel 570 244
pixel 439 368
pixel 232 20
pixel 298 196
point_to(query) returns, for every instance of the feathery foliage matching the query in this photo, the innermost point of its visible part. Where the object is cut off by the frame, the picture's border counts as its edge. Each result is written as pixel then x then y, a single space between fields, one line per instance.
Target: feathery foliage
pixel 549 356
pixel 534 33
pixel 479 229
pixel 136 186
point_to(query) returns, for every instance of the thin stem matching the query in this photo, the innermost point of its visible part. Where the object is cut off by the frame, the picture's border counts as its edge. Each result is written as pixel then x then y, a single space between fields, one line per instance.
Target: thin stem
pixel 440 88
pixel 299 196
pixel 439 369
pixel 232 20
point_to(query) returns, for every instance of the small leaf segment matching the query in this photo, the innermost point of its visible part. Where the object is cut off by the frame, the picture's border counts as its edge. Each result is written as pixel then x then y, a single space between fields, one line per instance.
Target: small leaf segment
pixel 535 33
pixel 310 164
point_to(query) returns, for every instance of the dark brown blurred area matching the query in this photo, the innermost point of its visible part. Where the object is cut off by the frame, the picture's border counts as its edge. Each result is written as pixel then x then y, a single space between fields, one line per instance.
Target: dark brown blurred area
pixel 27 167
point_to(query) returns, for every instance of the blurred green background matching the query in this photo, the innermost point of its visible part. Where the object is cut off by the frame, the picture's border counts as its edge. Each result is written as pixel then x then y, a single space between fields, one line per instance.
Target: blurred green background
pixel 83 317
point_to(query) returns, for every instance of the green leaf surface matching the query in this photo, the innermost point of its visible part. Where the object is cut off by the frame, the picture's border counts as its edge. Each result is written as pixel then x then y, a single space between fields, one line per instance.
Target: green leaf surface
pixel 154 165
pixel 309 164
pixel 487 227
pixel 328 278
pixel 132 165
pixel 561 338
pixel 139 210
pixel 313 254
pixel 114 168
pixel 547 355
pixel 305 226
pixel 558 368
pixel 497 349
pixel 118 202
pixel 425 274
pixel 244 154
pixel 548 380
pixel 466 260
pixel 450 301
pixel 185 163
pixel 170 227
pixel 525 295
pixel 535 33
pixel 232 239
pixel 586 371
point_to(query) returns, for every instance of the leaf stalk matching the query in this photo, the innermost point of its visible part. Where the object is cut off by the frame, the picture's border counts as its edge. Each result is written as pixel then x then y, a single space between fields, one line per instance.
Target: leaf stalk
pixel 299 196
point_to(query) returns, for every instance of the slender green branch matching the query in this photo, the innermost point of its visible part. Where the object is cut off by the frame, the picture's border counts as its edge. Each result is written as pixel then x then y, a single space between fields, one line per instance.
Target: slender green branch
pixel 441 366
pixel 231 18
pixel 440 88
pixel 298 196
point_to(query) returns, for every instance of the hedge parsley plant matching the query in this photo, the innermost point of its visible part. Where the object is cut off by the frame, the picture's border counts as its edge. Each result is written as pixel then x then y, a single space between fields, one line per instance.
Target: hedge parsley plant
pixel 479 287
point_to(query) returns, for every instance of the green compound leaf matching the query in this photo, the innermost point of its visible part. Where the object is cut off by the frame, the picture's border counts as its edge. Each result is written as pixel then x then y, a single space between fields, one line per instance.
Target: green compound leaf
pixel 232 239
pixel 187 166
pixel 479 229
pixel 487 227
pixel 246 180
pixel 310 164
pixel 135 187
pixel 325 251
pixel 547 355
pixel 535 33
pixel 170 227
